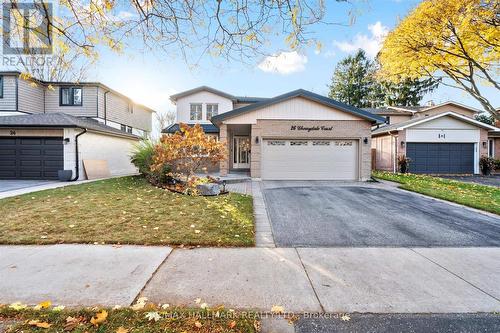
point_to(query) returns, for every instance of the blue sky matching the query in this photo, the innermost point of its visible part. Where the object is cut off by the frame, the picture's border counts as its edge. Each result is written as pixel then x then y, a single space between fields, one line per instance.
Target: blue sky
pixel 151 78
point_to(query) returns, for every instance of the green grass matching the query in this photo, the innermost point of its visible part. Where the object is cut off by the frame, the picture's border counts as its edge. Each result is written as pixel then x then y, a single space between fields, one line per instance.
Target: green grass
pixel 126 210
pixel 172 321
pixel 482 197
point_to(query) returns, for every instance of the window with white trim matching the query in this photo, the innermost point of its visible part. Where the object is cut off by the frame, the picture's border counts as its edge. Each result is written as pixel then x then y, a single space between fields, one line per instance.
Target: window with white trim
pixel 212 110
pixel 491 148
pixel 195 112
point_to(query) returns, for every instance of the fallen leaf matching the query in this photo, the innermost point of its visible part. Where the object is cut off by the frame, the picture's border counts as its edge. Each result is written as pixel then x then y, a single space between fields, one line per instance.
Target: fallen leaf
pixel 99 318
pixel 122 329
pixel 197 301
pixel 198 324
pixel 232 324
pixel 277 309
pixel 73 322
pixel 43 305
pixel 38 323
pixel 18 306
pixel 345 317
pixel 153 316
pixel 58 308
pixel 203 305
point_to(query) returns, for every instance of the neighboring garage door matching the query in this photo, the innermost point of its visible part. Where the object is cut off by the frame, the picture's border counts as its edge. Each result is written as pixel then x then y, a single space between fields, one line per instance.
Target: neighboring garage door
pixel 309 159
pixel 441 158
pixel 30 158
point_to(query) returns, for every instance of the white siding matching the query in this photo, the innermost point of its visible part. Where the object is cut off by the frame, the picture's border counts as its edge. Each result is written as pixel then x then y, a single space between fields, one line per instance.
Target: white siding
pixel 31 96
pixel 204 98
pixel 293 109
pixel 89 102
pixel 444 129
pixel 115 150
pixel 8 102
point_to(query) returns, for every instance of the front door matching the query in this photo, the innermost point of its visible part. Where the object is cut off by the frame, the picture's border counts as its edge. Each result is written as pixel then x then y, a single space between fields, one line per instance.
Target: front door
pixel 241 152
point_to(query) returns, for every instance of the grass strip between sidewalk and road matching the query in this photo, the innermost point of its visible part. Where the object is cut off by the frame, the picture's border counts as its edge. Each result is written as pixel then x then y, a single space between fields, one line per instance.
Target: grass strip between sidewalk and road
pixel 126 210
pixel 482 197
pixel 127 320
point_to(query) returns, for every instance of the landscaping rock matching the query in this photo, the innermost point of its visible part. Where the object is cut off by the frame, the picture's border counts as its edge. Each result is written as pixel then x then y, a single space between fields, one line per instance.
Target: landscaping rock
pixel 208 189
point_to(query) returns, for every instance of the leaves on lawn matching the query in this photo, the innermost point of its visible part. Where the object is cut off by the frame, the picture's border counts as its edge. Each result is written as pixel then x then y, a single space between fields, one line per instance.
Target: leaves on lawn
pixel 140 304
pixel 345 317
pixel 198 324
pixel 232 324
pixel 277 309
pixel 153 316
pixel 122 329
pixel 18 306
pixel 38 323
pixel 43 305
pixel 99 318
pixel 73 322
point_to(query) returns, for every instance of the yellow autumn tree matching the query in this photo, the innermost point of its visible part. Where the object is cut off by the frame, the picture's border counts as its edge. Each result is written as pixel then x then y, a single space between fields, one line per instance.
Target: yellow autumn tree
pixel 457 41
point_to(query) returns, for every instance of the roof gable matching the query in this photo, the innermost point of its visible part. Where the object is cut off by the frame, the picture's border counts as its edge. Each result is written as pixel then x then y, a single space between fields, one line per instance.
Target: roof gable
pixel 325 101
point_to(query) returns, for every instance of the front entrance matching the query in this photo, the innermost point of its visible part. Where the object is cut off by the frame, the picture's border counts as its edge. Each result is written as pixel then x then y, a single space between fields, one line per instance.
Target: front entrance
pixel 241 152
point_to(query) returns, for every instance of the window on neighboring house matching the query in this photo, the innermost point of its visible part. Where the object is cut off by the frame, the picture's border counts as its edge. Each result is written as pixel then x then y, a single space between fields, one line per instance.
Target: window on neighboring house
pixel 129 129
pixel 123 128
pixel 70 96
pixel 212 110
pixel 1 86
pixel 491 148
pixel 387 120
pixel 195 112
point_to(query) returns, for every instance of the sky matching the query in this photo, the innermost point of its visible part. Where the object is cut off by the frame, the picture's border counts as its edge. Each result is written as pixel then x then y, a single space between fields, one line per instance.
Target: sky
pixel 150 78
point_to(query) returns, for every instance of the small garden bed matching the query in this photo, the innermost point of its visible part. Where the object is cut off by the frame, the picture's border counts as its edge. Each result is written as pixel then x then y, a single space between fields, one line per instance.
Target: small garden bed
pixel 19 318
pixel 126 210
pixel 482 197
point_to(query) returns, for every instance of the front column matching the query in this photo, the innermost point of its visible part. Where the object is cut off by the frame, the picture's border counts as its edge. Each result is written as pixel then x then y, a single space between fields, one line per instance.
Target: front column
pixel 223 137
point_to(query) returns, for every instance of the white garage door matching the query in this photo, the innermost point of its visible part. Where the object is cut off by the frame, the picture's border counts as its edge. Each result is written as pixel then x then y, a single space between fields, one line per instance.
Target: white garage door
pixel 310 159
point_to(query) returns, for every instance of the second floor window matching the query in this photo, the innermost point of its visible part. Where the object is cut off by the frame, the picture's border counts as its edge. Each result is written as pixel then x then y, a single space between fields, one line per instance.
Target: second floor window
pixel 212 110
pixel 195 112
pixel 71 96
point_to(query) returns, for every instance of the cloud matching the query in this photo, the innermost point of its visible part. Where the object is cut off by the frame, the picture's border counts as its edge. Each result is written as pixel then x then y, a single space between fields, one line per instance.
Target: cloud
pixel 284 63
pixel 370 44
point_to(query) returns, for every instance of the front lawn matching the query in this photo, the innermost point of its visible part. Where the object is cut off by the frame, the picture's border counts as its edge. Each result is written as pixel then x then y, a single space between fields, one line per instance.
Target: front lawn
pixel 126 320
pixel 477 196
pixel 126 210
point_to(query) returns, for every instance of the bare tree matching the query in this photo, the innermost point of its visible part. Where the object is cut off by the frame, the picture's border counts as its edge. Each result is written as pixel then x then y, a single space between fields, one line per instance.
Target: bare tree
pixel 163 120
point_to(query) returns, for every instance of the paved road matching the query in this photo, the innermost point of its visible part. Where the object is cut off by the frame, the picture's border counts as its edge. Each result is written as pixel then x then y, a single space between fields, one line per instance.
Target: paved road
pixel 493 180
pixel 364 216
pixel 456 323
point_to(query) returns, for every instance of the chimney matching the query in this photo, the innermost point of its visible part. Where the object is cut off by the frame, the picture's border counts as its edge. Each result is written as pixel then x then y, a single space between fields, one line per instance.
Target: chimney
pixel 430 103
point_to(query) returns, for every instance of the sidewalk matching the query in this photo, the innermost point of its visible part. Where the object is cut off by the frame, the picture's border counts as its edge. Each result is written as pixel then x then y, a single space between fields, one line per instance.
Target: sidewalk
pixel 382 280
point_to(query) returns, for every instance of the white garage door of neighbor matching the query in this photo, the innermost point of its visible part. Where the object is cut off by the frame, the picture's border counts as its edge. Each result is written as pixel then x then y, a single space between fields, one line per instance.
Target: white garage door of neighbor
pixel 309 159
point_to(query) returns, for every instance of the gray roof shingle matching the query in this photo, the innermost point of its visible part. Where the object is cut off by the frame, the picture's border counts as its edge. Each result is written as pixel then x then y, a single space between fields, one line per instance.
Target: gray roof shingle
pixel 60 120
pixel 207 128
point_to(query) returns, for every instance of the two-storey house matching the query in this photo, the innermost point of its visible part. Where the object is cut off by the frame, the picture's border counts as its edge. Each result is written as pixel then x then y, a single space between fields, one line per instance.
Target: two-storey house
pixel 50 126
pixel 297 135
pixel 438 139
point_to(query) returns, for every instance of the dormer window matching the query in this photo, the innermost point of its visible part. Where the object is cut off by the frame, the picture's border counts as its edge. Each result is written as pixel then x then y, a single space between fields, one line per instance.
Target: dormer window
pixel 70 96
pixel 212 110
pixel 195 112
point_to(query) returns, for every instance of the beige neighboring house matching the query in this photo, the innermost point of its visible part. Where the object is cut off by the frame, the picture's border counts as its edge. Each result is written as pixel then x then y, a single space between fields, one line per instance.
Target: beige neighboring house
pixel 50 126
pixel 299 135
pixel 438 139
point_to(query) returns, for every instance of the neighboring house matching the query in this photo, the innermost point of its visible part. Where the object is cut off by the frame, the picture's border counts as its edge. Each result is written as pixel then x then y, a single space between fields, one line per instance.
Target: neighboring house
pixel 299 135
pixel 50 126
pixel 438 139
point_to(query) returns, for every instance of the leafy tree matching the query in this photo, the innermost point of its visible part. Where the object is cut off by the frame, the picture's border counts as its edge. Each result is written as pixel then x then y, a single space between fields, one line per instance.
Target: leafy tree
pixel 352 80
pixel 458 40
pixel 355 81
pixel 187 151
pixel 485 118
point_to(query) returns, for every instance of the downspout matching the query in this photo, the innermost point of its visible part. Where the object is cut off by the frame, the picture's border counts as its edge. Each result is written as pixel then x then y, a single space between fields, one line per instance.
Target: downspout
pixel 77 165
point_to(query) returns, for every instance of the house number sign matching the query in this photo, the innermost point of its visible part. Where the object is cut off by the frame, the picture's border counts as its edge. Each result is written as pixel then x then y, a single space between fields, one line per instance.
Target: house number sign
pixel 441 136
pixel 310 128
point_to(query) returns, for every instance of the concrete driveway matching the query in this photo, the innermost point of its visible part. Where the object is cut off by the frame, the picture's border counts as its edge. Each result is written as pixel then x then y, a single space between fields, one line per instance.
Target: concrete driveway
pixel 333 215
pixel 16 184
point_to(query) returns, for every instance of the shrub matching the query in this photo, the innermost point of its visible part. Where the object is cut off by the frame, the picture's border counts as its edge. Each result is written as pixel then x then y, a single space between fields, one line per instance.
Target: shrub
pixel 497 164
pixel 487 164
pixel 403 163
pixel 142 157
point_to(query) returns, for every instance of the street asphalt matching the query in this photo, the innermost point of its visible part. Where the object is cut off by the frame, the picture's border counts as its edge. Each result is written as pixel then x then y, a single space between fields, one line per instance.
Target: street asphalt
pixel 415 323
pixel 367 216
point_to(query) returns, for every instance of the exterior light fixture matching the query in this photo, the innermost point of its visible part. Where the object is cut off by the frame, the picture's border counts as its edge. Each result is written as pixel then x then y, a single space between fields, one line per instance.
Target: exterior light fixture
pixel 485 144
pixel 365 141
pixel 66 141
pixel 403 144
pixel 257 139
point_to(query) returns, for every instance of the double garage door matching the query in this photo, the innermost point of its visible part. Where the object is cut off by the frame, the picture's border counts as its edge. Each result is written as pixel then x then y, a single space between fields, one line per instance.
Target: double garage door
pixel 309 159
pixel 31 158
pixel 441 158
